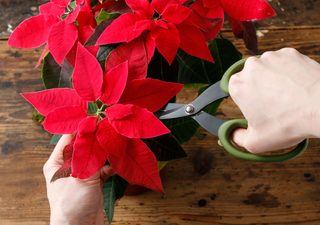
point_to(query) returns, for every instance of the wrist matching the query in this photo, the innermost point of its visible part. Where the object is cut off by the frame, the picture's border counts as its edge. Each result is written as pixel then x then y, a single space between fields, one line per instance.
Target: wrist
pixel 309 118
pixel 57 218
pixel 54 220
pixel 61 219
pixel 315 123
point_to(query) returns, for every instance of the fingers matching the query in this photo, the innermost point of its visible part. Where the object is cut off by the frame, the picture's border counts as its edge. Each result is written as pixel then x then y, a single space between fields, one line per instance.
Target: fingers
pixel 57 154
pixel 238 136
pixel 55 161
pixel 107 172
pixel 253 142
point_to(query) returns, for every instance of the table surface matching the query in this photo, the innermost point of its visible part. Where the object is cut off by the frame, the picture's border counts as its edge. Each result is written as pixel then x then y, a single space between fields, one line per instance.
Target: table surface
pixel 208 187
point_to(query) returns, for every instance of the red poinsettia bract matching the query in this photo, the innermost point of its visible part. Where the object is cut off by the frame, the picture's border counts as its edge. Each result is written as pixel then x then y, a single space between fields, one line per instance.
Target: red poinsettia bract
pixel 242 10
pixel 61 36
pixel 113 132
pixel 167 24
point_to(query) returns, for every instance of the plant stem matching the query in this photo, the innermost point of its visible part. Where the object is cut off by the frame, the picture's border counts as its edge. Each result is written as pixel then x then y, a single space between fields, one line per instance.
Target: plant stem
pixel 96 105
pixel 102 106
pixel 220 34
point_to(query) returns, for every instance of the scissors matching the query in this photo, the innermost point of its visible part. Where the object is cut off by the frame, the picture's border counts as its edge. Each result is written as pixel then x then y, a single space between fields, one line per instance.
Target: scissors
pixel 222 128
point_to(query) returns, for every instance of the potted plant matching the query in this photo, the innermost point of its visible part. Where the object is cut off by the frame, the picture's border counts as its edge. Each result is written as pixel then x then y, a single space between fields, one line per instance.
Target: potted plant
pixel 109 65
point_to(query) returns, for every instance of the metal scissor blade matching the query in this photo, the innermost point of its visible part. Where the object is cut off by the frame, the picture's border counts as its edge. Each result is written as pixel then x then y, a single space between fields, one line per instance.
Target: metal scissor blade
pixel 209 122
pixel 171 106
pixel 212 94
pixel 173 112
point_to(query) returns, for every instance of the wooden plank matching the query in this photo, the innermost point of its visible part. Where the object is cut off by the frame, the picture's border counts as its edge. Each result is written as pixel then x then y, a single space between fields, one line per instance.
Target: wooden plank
pixel 209 187
pixel 289 13
pixel 304 40
pixel 24 144
pixel 12 13
pixel 293 13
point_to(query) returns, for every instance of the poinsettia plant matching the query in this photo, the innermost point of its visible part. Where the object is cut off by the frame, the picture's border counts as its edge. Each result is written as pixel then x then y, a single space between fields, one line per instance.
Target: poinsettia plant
pixel 109 65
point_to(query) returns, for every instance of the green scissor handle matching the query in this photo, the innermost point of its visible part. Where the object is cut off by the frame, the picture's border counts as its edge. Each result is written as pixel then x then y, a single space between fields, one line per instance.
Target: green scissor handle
pixel 228 127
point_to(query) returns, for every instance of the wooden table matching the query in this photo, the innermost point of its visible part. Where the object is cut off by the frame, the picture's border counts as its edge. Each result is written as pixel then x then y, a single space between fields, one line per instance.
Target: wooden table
pixel 209 187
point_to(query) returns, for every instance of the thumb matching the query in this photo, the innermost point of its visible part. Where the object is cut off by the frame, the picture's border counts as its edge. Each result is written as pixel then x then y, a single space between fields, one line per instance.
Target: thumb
pixel 107 172
pixel 56 160
pixel 238 136
pixel 248 139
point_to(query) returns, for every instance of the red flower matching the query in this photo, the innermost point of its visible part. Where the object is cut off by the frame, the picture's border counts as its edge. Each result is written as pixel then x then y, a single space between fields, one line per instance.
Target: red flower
pixel 239 10
pixel 167 24
pixel 60 36
pixel 113 132
pixel 244 10
pixel 86 15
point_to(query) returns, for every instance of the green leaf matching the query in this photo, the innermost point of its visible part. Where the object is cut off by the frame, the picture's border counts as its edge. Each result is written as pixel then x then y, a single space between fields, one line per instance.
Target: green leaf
pixel 92 107
pixel 191 69
pixel 225 55
pixel 104 16
pixel 183 129
pixel 37 117
pixel 194 86
pixel 161 165
pixel 56 76
pixel 165 148
pixel 73 4
pixel 55 139
pixel 113 189
pixel 200 135
pixel 194 70
pixel 105 50
pixel 160 69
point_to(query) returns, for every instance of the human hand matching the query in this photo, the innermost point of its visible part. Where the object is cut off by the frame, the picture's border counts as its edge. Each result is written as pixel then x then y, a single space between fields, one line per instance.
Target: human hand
pixel 278 96
pixel 72 200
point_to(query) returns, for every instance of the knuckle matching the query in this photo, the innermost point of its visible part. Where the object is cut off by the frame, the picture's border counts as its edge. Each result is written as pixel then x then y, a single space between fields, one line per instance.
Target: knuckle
pixel 269 54
pixel 233 80
pixel 289 51
pixel 251 62
pixel 234 85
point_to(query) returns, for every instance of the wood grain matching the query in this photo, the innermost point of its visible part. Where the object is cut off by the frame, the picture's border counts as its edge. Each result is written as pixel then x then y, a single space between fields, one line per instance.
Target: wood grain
pixel 289 14
pixel 209 187
pixel 24 144
pixel 12 13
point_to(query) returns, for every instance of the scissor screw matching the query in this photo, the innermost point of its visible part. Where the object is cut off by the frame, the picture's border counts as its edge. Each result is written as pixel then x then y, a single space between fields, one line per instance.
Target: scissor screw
pixel 189 109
